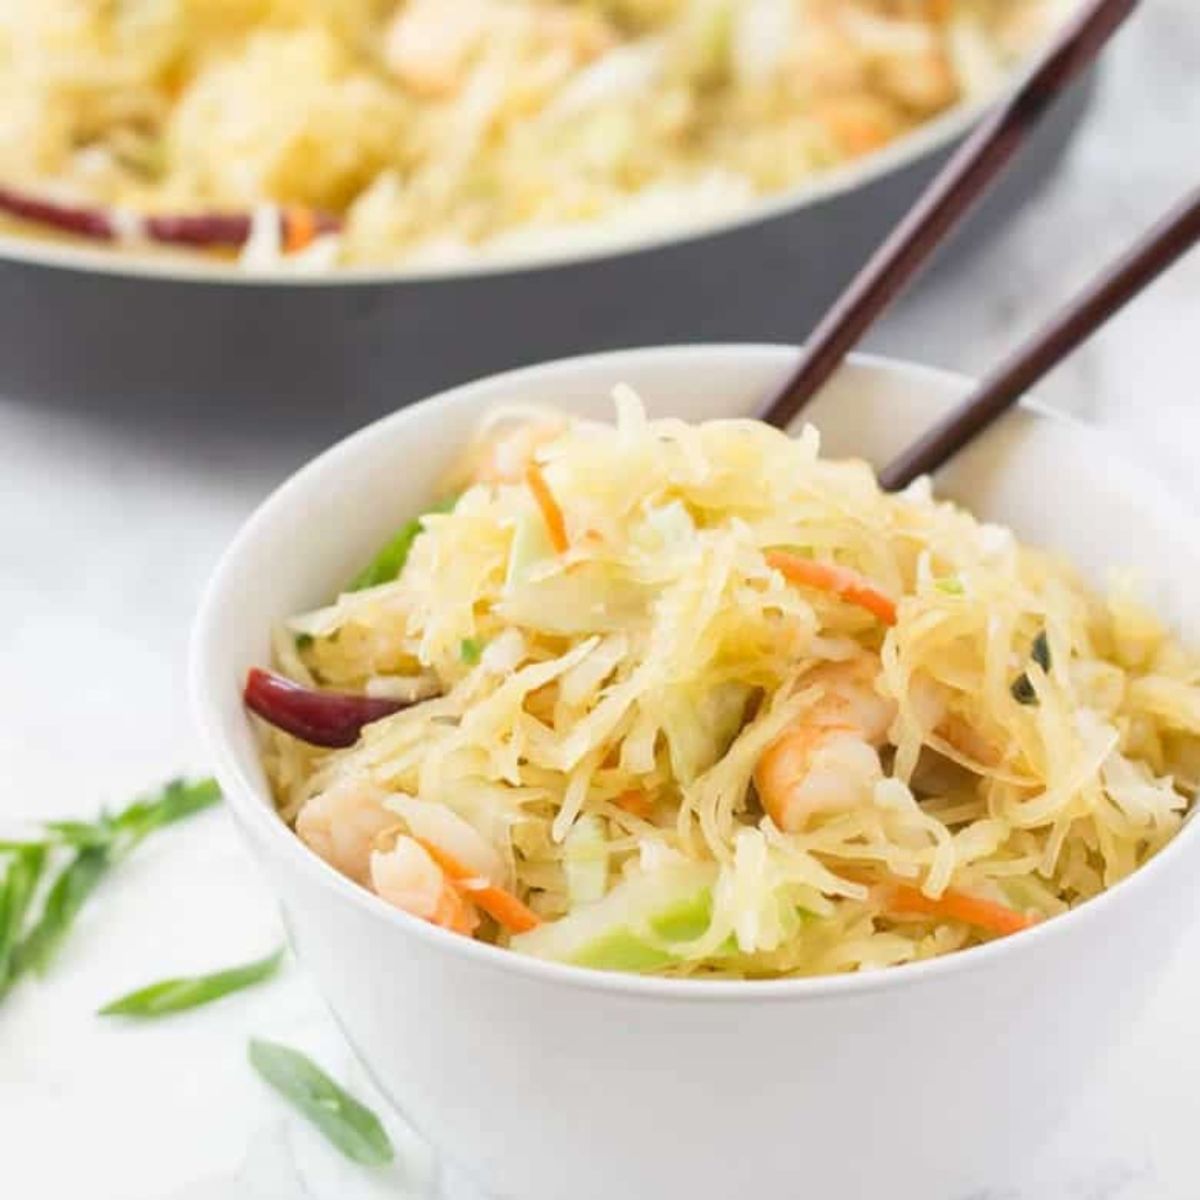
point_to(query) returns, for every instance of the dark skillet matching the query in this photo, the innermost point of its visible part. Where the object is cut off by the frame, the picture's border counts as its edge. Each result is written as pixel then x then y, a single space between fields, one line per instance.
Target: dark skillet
pixel 95 327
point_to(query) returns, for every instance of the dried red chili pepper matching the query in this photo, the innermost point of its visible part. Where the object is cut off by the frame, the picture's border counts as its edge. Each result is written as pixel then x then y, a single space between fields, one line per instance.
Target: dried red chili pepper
pixel 333 719
pixel 198 230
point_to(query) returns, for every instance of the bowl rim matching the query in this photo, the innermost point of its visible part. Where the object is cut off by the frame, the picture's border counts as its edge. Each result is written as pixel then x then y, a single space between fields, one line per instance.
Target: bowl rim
pixel 245 800
pixel 905 151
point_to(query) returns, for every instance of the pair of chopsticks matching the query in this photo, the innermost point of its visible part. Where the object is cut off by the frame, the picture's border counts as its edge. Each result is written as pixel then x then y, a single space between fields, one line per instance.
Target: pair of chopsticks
pixel 964 180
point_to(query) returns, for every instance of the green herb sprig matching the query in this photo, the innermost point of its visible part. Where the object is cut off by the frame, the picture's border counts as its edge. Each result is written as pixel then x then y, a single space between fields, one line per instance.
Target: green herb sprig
pixel 17 888
pixel 177 995
pixel 95 848
pixel 67 895
pixel 352 1127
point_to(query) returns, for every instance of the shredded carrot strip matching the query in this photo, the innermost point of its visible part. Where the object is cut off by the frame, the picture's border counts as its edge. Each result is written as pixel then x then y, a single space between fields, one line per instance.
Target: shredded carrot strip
pixel 906 900
pixel 556 524
pixel 636 802
pixel 840 581
pixel 299 229
pixel 494 901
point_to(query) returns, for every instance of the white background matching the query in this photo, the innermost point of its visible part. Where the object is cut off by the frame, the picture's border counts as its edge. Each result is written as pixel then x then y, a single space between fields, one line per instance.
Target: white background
pixel 109 525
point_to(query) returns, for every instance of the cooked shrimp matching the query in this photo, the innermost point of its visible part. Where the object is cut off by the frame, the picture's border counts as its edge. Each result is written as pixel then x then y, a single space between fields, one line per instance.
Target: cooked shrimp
pixel 437 824
pixel 341 826
pixel 429 44
pixel 906 59
pixel 828 761
pixel 851 699
pixel 923 82
pixel 407 877
pixel 824 56
pixel 857 123
pixel 932 701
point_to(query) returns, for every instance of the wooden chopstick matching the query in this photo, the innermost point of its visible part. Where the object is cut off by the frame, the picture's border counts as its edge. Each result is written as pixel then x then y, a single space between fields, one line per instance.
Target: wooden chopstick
pixel 953 192
pixel 1160 248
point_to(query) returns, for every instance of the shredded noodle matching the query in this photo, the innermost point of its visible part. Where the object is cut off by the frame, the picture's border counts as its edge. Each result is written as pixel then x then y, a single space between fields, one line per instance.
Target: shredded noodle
pixel 1011 740
pixel 436 128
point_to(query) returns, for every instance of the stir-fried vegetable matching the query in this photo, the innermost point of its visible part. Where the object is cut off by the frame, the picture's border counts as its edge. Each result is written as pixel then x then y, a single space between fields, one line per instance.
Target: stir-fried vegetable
pixel 499 904
pixel 643 924
pixel 741 726
pixel 552 514
pixel 586 860
pixel 904 900
pixel 839 581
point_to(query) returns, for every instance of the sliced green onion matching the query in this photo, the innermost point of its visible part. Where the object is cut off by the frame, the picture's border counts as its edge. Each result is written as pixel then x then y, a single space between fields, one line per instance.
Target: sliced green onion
pixel 17 888
pixel 97 846
pixel 176 995
pixel 176 801
pixel 67 895
pixel 83 833
pixel 352 1127
pixel 392 557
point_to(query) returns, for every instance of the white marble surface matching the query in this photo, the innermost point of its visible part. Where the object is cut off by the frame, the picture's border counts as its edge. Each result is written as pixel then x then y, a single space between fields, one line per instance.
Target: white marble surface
pixel 108 525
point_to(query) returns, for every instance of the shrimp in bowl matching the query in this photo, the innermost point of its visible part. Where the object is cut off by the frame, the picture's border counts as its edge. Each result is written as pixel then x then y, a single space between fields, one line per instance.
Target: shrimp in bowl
pixel 695 700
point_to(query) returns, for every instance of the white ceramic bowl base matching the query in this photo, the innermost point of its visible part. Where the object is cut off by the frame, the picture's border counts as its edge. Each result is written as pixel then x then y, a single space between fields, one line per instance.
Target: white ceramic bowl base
pixel 549 1083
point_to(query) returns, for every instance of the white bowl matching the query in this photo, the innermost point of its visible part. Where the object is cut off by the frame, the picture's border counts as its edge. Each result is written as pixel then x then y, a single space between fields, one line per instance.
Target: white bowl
pixel 547 1082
